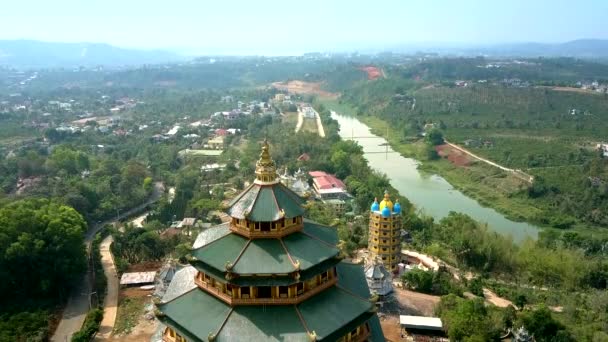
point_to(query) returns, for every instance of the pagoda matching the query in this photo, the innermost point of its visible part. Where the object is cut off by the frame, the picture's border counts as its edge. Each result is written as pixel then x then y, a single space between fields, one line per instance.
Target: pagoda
pixel 385 226
pixel 269 275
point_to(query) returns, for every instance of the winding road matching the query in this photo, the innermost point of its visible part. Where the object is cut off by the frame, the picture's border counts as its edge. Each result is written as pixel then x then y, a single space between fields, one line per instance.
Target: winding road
pixel 110 303
pixel 79 302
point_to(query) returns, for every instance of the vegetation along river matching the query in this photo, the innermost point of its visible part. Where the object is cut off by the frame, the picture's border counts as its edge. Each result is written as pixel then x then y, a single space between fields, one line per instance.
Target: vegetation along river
pixel 430 193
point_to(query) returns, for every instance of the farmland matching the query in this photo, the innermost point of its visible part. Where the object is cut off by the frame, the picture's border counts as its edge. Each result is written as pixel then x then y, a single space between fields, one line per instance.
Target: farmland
pixel 548 133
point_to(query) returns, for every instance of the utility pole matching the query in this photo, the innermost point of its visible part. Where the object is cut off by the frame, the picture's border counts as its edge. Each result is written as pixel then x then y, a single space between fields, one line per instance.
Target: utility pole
pixel 386 146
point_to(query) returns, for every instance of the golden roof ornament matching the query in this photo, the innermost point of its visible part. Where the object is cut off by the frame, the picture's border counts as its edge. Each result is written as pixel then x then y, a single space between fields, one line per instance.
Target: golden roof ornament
pixel 265 169
pixel 386 202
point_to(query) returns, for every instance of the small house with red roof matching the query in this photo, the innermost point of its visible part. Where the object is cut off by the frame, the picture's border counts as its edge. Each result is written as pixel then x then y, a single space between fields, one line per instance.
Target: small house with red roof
pixel 328 186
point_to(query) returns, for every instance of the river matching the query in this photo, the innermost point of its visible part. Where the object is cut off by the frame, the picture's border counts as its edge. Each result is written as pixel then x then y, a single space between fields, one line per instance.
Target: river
pixel 430 193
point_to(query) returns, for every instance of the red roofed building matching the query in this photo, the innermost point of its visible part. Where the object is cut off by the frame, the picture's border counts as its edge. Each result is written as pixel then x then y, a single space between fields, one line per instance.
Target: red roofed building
pixel 221 132
pixel 328 186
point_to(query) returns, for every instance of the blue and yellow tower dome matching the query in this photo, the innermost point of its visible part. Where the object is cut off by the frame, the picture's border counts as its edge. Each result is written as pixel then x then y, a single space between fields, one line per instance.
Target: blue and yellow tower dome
pixel 386 202
pixel 375 205
pixel 397 207
pixel 386 212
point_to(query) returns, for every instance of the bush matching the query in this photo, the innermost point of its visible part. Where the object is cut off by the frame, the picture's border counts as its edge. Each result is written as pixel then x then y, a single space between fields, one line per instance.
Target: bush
pixel 476 286
pixel 431 282
pixel 24 326
pixel 90 326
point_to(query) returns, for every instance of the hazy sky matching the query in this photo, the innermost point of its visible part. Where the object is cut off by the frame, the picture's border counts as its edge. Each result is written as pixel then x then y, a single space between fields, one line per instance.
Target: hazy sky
pixel 297 26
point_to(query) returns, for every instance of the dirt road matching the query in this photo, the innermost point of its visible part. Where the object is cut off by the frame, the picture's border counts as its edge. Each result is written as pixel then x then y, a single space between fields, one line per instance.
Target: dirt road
pixel 300 120
pixel 80 298
pixel 320 128
pixel 110 304
pixel 517 173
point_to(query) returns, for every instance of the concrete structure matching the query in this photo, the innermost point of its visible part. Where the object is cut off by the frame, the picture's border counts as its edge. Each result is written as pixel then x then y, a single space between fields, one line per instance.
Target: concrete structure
pixel 421 322
pixel 379 280
pixel 297 183
pixel 385 224
pixel 603 148
pixel 216 143
pixel 309 112
pixel 137 278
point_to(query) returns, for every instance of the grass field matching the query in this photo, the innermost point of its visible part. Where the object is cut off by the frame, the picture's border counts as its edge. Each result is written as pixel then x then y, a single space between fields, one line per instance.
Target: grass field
pixel 310 125
pixel 130 310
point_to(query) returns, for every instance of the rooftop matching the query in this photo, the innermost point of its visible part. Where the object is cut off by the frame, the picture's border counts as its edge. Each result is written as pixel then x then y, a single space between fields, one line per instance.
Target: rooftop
pixel 325 180
pixel 274 323
pixel 421 322
pixel 135 278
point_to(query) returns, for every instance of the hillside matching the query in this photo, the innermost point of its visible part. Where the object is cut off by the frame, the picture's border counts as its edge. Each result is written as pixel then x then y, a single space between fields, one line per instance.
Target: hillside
pixel 547 131
pixel 38 54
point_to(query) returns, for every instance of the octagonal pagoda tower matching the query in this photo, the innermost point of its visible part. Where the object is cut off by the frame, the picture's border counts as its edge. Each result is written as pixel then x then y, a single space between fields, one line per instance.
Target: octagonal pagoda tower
pixel 385 224
pixel 269 275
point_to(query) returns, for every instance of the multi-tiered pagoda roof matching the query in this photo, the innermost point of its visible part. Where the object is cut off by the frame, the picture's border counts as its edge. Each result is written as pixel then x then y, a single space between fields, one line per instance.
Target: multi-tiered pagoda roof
pixel 269 275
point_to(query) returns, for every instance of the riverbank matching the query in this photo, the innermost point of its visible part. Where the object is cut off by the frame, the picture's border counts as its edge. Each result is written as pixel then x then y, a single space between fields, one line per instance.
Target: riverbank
pixel 487 185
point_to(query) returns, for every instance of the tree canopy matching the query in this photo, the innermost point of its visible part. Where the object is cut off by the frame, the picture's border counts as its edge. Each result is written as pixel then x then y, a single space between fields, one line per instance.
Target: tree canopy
pixel 41 248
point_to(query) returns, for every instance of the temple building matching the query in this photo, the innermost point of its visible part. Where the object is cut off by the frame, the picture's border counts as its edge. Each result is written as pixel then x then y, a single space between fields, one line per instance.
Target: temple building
pixel 385 226
pixel 268 275
pixel 297 183
pixel 379 280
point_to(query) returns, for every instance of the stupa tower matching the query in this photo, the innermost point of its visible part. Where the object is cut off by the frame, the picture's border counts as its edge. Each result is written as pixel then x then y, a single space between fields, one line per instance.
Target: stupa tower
pixel 385 224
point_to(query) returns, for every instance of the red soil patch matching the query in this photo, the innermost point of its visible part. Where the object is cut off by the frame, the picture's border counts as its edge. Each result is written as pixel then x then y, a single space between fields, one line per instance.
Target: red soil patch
pixel 134 292
pixel 372 72
pixel 391 328
pixel 301 87
pixel 455 156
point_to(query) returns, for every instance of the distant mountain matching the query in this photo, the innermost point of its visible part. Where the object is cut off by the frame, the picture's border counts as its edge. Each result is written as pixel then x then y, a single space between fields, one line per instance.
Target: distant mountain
pixel 583 48
pixel 38 54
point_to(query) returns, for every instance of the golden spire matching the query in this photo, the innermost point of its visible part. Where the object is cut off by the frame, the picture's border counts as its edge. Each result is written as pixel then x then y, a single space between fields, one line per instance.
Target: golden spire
pixel 386 202
pixel 265 169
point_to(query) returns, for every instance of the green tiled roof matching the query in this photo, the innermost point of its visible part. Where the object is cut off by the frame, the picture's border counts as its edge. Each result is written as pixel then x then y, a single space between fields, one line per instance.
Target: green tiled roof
pixel 350 326
pixel 264 203
pixel 220 251
pixel 264 256
pixel 332 309
pixel 331 314
pixel 351 277
pixel 267 281
pixel 274 323
pixel 321 232
pixel 196 312
pixel 307 250
pixel 211 234
pixel 377 335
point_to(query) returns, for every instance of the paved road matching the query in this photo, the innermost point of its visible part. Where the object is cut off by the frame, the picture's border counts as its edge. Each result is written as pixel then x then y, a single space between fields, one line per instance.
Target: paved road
pixel 110 304
pixel 79 302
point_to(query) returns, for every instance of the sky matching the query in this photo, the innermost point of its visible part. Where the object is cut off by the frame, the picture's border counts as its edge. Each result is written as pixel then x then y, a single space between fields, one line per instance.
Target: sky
pixel 285 27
